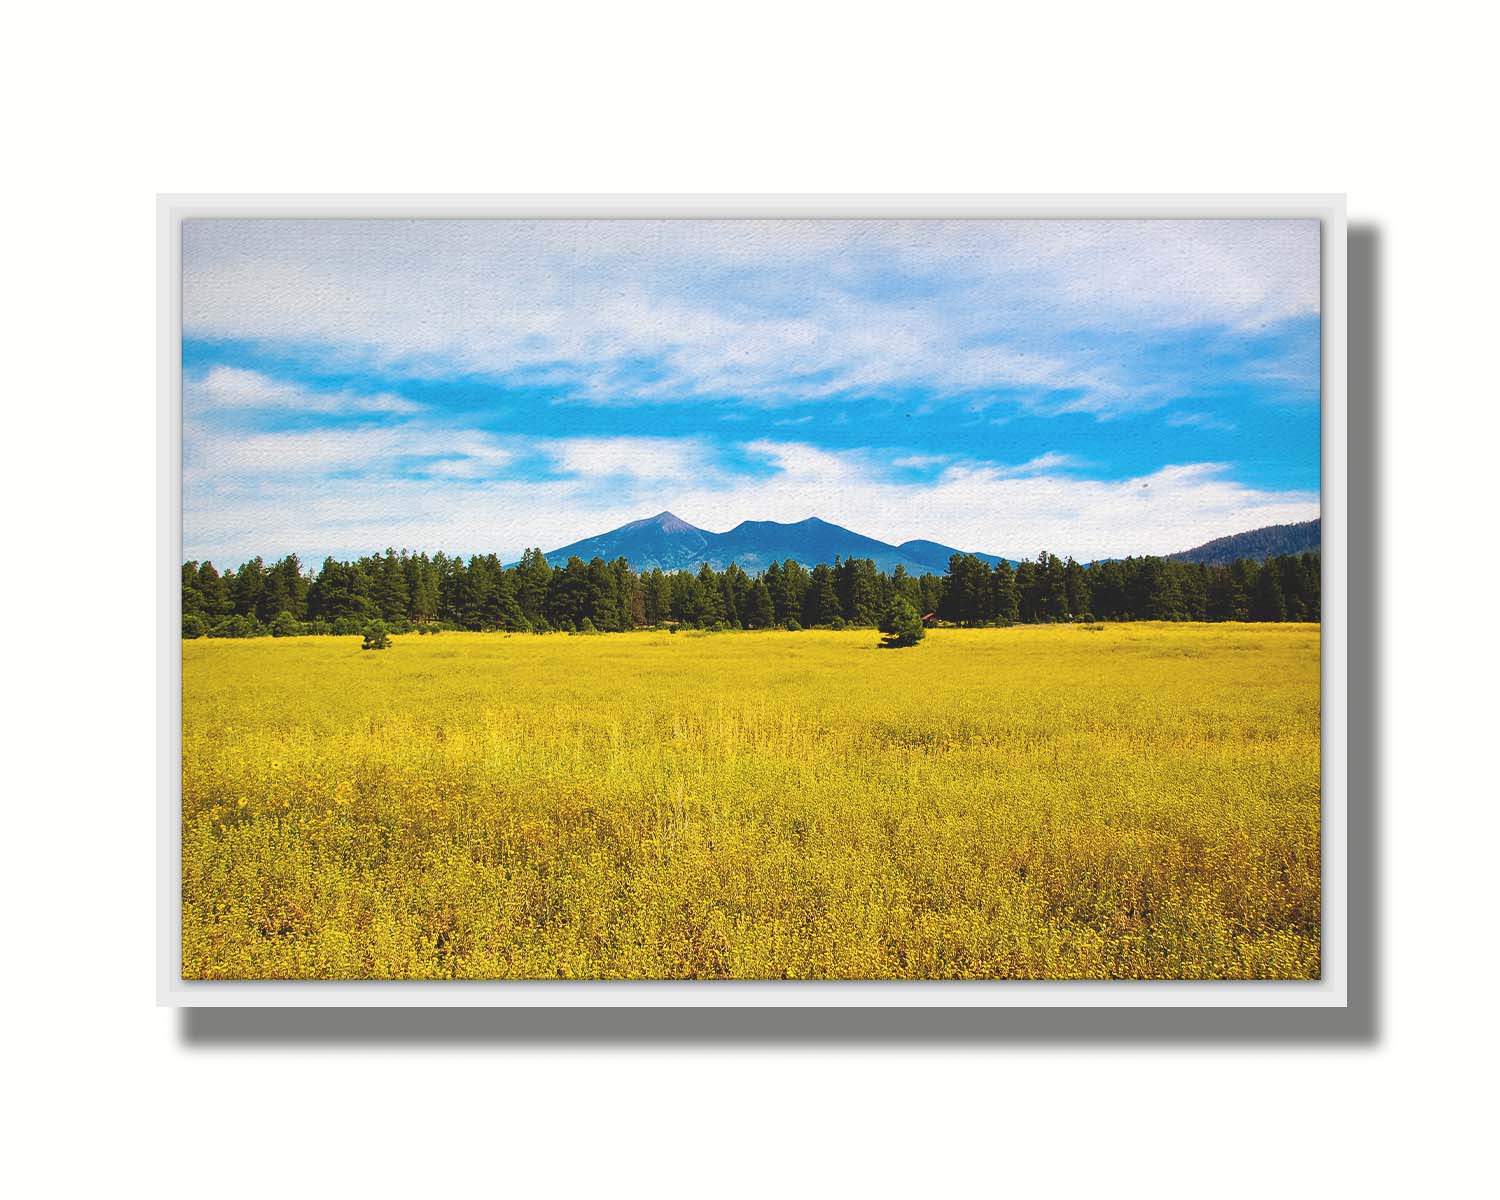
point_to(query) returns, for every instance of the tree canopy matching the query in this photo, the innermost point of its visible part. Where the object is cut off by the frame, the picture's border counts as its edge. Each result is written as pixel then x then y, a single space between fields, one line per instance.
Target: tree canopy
pixel 419 591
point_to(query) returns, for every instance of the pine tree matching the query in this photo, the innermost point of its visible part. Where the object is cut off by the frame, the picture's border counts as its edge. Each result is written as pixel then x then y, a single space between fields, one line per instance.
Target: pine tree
pixel 708 599
pixel 1052 587
pixel 273 598
pixel 249 583
pixel 775 582
pixel 734 585
pixel 1027 592
pixel 568 594
pixel 1108 593
pixel 453 589
pixel 1293 585
pixel 1003 600
pixel 601 603
pixel 657 597
pixel 903 584
pixel 760 613
pixel 192 598
pixel 216 602
pixel 478 589
pixel 791 601
pixel 1076 586
pixel 861 605
pixel 500 609
pixel 1241 586
pixel 1268 604
pixel 390 594
pixel 533 576
pixel 820 605
pixel 422 587
pixel 631 595
pixel 901 624
pixel 967 598
pixel 683 595
pixel 1158 585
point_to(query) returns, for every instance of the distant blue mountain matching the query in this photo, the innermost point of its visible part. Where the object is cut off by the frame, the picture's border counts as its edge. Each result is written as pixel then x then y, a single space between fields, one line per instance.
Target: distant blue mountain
pixel 938 554
pixel 1257 543
pixel 668 542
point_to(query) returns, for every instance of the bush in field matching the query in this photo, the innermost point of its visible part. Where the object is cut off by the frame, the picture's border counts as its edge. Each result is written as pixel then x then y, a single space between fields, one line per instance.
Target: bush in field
pixel 194 626
pixel 347 626
pixel 377 636
pixel 285 625
pixel 901 625
pixel 587 626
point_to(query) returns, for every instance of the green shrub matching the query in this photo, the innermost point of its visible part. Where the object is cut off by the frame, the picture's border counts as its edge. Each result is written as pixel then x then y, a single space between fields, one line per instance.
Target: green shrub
pixel 285 625
pixel 235 627
pixel 377 636
pixel 901 625
pixel 194 626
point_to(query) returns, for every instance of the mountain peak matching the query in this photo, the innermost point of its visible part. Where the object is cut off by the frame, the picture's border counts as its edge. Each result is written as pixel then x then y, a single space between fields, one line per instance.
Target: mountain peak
pixel 669 542
pixel 667 522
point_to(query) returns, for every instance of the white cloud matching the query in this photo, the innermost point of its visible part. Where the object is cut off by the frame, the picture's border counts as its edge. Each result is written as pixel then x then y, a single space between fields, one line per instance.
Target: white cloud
pixel 1200 420
pixel 263 499
pixel 210 453
pixel 227 388
pixel 1003 509
pixel 769 311
pixel 1051 461
pixel 643 458
pixel 1242 273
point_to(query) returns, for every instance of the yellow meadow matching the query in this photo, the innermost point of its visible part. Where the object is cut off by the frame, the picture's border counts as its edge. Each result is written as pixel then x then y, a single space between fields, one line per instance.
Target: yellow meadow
pixel 1137 801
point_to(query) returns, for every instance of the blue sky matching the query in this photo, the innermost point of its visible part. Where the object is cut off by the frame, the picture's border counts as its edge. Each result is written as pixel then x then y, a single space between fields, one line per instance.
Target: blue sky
pixel 1090 387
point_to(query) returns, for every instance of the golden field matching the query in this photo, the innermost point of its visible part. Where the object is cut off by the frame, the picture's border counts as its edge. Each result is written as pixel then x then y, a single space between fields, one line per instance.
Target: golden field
pixel 1137 801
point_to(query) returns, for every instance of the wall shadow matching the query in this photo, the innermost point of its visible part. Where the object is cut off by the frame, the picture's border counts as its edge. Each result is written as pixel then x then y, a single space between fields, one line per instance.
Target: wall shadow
pixel 1357 1025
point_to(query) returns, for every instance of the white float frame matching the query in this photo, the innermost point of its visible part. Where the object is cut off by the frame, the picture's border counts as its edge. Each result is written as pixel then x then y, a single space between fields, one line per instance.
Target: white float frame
pixel 1331 991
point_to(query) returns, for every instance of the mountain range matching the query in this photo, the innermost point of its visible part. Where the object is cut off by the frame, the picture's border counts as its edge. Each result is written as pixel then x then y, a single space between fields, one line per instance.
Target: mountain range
pixel 1257 544
pixel 669 542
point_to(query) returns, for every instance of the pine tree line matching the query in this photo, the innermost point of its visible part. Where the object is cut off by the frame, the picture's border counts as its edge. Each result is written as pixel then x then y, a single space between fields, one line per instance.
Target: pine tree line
pixel 418 591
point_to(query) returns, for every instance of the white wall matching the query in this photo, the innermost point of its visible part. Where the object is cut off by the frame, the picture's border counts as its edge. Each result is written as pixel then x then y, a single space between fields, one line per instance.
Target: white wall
pixel 108 105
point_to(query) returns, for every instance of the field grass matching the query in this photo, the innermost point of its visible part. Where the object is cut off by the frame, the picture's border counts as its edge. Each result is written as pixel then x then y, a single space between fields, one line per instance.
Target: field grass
pixel 1139 801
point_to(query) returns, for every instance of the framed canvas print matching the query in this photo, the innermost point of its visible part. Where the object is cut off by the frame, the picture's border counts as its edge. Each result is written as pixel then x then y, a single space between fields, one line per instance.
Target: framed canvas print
pixel 752 601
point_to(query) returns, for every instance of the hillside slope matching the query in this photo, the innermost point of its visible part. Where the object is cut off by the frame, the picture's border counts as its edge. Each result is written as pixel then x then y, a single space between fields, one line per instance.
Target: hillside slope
pixel 1256 543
